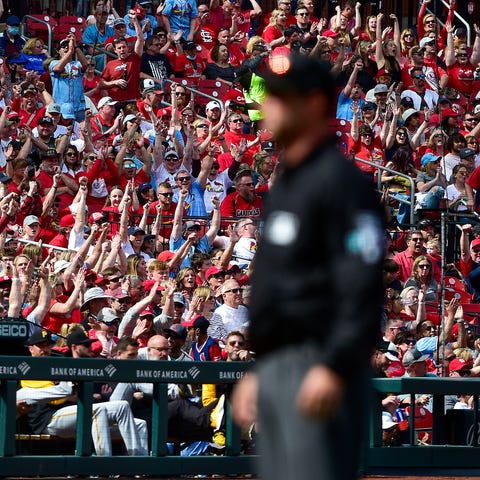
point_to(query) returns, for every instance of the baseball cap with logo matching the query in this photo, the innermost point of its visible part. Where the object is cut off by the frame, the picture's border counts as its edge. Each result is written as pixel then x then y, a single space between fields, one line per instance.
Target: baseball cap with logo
pixel 213 104
pixel 106 101
pixel 466 152
pixel 78 337
pixel 67 111
pixel 39 336
pixel 413 356
pixel 54 108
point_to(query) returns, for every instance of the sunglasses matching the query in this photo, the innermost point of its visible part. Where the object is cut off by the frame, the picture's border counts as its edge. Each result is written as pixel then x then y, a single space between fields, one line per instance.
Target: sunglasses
pixel 203 125
pixel 170 159
pixel 420 75
pixel 184 179
pixel 237 120
pixel 110 323
pixel 166 194
pixel 408 35
pixel 234 290
pixel 240 343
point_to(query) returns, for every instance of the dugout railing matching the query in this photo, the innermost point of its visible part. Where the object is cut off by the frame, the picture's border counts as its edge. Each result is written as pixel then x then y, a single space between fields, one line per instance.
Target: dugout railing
pixel 453 446
pixel 85 372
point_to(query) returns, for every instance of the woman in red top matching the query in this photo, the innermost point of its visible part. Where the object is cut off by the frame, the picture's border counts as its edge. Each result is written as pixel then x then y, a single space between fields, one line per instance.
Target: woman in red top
pixel 63 308
pixel 461 67
pixel 436 143
pixel 91 82
pixel 273 33
pixel 428 23
pixel 363 144
pixel 114 206
pixel 100 172
pixel 407 41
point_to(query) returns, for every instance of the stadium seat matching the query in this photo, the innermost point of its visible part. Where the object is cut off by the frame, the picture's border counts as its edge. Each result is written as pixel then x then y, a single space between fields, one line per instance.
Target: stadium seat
pixel 214 88
pixel 61 31
pixel 341 130
pixel 38 29
pixel 73 20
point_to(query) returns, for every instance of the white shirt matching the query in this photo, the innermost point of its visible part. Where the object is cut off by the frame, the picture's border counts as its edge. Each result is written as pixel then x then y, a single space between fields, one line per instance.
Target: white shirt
pixel 234 318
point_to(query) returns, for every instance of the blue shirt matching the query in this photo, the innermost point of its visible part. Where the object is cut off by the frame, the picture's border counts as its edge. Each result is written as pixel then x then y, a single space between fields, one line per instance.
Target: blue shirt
pixel 194 203
pixel 67 85
pixel 92 35
pixel 131 29
pixel 344 107
pixel 179 13
pixel 203 246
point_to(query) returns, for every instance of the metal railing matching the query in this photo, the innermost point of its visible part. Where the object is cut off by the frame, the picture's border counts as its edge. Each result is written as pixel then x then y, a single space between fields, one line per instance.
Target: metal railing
pixel 403 175
pixel 87 371
pixel 441 457
pixel 457 16
pixel 445 455
pixel 43 22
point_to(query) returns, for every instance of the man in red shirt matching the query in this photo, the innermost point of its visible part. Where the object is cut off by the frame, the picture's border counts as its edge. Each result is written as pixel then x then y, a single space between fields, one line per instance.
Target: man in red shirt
pixel 151 96
pixel 128 170
pixel 406 258
pixel 121 76
pixel 189 64
pixel 26 103
pixel 243 202
pixel 104 121
pixel 235 134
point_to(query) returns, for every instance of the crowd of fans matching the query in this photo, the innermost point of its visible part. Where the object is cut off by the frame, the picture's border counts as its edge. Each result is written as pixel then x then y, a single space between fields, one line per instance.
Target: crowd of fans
pixel 131 206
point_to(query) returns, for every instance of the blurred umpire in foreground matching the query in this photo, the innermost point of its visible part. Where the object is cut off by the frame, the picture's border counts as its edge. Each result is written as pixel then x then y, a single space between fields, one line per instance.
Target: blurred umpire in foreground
pixel 317 291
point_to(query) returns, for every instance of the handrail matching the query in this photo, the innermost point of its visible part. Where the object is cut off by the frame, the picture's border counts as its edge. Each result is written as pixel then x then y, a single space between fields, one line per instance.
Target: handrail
pixel 408 177
pixel 87 371
pixel 49 29
pixel 459 17
pixel 99 49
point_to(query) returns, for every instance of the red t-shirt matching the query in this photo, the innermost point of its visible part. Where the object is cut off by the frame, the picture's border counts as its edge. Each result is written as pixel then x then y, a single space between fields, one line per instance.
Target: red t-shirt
pixel 234 205
pixel 30 119
pixel 231 137
pixel 373 153
pixel 99 125
pixel 460 77
pixel 191 69
pixel 207 35
pixel 46 182
pixel 128 70
pixel 140 177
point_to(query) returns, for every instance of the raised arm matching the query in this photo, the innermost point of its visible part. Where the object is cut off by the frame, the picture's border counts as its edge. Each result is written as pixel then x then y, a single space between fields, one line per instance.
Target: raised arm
pixel 215 223
pixel 140 41
pixel 354 124
pixel 475 57
pixel 450 50
pixel 178 217
pixel 379 43
pixel 206 167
